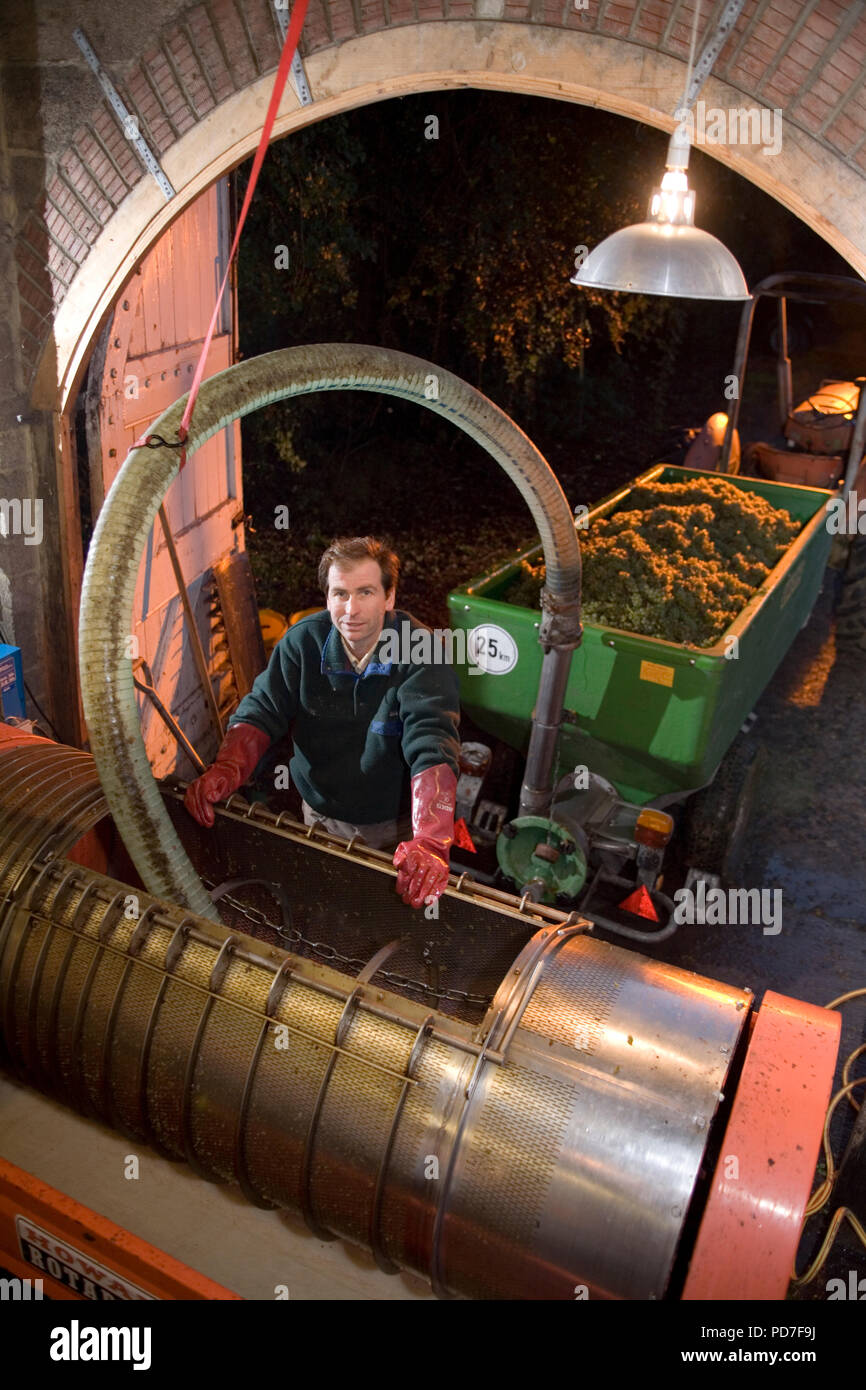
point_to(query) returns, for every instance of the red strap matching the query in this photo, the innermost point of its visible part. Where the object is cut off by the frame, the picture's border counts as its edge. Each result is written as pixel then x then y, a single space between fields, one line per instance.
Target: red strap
pixel 292 37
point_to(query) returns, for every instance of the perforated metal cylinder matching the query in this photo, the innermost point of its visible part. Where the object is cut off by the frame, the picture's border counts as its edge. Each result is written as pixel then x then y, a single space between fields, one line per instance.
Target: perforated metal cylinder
pixel 571 1160
pixel 555 1146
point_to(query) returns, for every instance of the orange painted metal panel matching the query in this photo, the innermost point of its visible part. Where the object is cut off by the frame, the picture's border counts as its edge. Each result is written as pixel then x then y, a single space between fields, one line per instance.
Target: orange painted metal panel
pixel 751 1225
pixel 10 735
pixel 81 1255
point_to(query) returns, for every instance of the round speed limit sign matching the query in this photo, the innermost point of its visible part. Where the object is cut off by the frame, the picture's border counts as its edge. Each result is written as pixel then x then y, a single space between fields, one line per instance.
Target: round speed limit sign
pixel 492 650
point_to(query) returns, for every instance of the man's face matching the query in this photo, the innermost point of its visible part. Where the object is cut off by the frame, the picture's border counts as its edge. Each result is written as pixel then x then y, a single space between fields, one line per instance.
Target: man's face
pixel 357 603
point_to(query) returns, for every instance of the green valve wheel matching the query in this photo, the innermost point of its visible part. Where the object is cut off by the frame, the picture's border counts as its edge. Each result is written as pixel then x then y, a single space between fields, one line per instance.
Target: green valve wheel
pixel 537 853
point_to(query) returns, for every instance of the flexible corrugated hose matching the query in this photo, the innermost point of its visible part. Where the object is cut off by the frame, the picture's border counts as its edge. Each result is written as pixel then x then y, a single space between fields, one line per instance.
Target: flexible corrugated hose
pixel 121 532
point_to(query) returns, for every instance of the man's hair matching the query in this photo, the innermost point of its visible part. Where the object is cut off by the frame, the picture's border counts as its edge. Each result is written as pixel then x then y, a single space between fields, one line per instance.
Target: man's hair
pixel 352 549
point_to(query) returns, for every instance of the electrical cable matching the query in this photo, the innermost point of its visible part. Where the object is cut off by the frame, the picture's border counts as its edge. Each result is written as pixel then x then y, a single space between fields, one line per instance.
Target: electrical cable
pixel 821 1196
pixel 832 1230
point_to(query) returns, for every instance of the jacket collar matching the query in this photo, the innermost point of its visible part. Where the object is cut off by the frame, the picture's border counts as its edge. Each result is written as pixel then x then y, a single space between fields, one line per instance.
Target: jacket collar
pixel 336 663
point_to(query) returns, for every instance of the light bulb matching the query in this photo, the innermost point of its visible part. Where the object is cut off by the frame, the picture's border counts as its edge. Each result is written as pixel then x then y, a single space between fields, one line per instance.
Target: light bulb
pixel 673 204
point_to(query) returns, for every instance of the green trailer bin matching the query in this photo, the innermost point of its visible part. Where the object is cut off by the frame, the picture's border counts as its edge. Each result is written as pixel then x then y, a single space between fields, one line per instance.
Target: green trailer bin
pixel 653 717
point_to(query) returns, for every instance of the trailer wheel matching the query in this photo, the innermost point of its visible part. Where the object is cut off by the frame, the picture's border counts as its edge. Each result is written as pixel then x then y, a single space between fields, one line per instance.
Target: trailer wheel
pixel 717 817
pixel 851 605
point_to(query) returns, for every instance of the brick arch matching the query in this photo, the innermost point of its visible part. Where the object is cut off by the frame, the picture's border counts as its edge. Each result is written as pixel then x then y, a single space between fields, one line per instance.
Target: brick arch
pixel 200 92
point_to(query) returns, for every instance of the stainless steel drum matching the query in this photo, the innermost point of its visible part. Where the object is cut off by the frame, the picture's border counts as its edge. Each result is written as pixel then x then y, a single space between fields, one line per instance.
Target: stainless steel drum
pixel 553 1146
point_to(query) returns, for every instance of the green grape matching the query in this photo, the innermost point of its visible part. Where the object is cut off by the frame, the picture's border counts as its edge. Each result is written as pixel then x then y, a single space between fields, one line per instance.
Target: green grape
pixel 681 563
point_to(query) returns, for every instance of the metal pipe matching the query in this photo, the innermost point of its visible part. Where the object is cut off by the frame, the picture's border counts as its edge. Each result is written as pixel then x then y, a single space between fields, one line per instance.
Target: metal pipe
pixel 147 687
pixel 537 790
pixel 194 639
pixel 744 333
pixel 858 440
pixel 783 366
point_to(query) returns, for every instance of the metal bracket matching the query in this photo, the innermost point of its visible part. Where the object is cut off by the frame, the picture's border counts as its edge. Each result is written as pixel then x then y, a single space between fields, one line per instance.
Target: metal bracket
pixel 713 47
pixel 127 120
pixel 297 73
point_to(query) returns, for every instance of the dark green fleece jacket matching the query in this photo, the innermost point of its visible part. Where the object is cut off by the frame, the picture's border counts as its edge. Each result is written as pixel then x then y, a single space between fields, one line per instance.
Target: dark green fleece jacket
pixel 358 739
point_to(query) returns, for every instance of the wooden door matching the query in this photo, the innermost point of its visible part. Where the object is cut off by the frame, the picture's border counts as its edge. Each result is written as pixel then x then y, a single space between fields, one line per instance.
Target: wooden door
pixel 146 360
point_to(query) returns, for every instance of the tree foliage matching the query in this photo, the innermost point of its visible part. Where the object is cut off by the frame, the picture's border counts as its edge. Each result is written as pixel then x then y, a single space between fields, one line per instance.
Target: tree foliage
pixel 458 249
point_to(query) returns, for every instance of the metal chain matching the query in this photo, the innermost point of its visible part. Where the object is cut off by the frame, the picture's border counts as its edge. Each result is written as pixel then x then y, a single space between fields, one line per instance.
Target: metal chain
pixel 325 951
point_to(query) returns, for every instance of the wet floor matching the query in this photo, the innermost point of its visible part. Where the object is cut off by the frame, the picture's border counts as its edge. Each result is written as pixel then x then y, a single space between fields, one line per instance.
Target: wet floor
pixel 807 839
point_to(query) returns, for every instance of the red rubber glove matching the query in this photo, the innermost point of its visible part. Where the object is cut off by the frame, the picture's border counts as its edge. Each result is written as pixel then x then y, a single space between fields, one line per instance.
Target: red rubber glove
pixel 423 860
pixel 241 750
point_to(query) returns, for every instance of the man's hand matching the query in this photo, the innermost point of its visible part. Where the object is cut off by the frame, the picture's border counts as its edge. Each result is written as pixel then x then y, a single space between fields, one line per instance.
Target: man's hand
pixel 423 875
pixel 423 860
pixel 241 750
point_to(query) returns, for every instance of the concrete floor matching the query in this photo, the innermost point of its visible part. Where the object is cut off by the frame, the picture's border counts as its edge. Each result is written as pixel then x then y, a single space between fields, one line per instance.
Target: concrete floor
pixel 213 1229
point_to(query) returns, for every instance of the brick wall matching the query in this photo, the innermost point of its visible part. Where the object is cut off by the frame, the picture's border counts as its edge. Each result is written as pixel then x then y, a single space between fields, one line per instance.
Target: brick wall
pixel 807 58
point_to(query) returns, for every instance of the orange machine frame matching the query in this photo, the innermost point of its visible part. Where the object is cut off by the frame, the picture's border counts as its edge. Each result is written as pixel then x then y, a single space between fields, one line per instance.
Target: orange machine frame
pixel 71 1240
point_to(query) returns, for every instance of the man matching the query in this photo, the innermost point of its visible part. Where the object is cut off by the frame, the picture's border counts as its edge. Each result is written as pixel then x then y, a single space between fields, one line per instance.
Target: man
pixel 370 736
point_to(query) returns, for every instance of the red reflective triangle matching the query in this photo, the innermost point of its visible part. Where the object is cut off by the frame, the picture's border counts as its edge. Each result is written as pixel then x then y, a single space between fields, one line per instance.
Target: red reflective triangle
pixel 640 903
pixel 462 838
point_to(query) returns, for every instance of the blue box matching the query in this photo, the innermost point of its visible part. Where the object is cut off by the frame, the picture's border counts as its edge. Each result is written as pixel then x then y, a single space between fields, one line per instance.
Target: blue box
pixel 11 682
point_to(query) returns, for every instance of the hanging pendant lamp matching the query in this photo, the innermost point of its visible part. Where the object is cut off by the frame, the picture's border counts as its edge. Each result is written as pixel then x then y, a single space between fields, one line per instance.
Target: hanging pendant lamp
pixel 667 254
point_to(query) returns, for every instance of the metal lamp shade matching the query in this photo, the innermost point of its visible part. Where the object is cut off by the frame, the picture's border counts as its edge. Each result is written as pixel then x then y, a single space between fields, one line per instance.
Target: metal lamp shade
pixel 658 258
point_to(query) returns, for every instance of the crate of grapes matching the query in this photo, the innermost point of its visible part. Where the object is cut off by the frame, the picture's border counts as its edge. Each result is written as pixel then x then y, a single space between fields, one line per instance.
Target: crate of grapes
pixel 694 587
